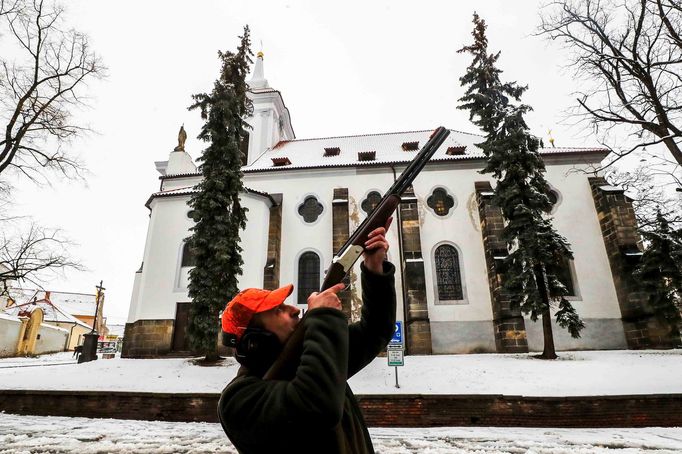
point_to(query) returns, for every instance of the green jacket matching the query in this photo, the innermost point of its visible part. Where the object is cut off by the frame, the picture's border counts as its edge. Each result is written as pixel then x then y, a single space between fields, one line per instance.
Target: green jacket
pixel 316 411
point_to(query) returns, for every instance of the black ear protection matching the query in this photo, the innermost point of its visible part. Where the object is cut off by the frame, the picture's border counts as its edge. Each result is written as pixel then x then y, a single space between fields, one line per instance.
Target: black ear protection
pixel 254 343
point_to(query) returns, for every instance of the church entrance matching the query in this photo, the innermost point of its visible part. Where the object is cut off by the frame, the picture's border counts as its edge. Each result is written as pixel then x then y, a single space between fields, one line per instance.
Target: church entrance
pixel 180 338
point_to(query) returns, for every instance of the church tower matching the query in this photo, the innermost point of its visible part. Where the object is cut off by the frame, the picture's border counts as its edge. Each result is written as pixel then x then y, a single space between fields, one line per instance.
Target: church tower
pixel 270 121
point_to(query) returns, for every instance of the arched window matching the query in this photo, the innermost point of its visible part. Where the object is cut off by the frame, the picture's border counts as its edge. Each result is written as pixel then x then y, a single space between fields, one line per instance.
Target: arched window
pixel 564 273
pixel 371 201
pixel 310 209
pixel 440 202
pixel 188 257
pixel 308 275
pixel 448 275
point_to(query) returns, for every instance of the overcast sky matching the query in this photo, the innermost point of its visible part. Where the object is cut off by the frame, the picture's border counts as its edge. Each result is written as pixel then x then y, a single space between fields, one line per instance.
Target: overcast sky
pixel 349 67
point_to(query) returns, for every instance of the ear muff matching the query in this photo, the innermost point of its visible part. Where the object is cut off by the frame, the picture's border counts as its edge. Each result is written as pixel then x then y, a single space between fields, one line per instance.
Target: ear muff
pixel 256 342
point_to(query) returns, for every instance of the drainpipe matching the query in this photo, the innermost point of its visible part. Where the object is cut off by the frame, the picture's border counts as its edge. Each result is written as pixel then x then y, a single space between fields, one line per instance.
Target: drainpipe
pixel 402 266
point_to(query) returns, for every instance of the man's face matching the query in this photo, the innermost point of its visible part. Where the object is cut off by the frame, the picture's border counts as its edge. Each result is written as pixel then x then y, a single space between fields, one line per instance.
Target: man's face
pixel 280 320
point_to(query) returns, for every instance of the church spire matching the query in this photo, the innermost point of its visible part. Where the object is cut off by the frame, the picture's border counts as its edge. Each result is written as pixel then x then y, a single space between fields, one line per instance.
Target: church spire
pixel 258 78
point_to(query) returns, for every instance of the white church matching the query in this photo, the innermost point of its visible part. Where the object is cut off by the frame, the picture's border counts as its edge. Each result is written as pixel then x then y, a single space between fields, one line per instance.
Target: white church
pixel 304 196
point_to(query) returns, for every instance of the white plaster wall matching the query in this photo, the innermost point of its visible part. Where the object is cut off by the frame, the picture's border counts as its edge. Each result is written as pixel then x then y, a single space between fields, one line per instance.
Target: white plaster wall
pixel 162 282
pixel 52 339
pixel 576 219
pixel 460 227
pixel 9 336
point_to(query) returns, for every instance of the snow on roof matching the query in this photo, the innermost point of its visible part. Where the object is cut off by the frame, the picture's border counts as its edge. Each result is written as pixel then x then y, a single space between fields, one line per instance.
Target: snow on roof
pixel 188 190
pixel 75 303
pixel 51 312
pixel 310 153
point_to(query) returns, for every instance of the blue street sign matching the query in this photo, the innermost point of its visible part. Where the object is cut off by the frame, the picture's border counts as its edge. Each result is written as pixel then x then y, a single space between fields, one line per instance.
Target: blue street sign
pixel 397 334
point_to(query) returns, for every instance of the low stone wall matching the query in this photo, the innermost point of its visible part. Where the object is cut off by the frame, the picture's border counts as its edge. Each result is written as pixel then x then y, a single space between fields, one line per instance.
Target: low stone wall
pixel 379 410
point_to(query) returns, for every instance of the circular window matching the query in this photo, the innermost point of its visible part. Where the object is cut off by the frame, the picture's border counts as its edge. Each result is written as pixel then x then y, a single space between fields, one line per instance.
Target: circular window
pixel 440 202
pixel 371 201
pixel 310 209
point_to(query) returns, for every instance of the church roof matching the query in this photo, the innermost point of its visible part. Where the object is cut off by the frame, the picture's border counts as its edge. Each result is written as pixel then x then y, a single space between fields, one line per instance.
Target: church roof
pixel 188 190
pixel 389 148
pixel 386 148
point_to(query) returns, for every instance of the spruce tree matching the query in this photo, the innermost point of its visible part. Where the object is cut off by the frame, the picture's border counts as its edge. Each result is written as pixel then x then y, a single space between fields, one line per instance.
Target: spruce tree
pixel 216 208
pixel 658 274
pixel 536 250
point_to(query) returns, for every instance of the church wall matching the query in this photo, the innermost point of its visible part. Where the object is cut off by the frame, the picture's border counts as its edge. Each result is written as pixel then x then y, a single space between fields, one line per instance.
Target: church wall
pixel 576 218
pixel 462 325
pixel 162 282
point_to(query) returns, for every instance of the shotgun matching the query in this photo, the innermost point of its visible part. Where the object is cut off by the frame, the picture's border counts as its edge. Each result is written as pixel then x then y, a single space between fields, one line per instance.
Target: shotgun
pixel 286 363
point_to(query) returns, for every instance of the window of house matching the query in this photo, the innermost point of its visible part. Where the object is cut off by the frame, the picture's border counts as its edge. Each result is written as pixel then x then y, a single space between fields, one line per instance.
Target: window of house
pixel 310 209
pixel 371 201
pixel 308 275
pixel 440 202
pixel 448 275
pixel 188 257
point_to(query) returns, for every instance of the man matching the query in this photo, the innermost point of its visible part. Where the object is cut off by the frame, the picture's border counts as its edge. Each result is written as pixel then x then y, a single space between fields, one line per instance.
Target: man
pixel 315 411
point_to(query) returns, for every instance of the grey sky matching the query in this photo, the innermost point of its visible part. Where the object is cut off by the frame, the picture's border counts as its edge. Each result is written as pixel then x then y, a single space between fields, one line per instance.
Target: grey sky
pixel 343 68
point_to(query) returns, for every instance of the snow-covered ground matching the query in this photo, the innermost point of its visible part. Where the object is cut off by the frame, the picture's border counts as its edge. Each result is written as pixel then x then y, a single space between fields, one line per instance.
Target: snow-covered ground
pixel 574 374
pixel 40 434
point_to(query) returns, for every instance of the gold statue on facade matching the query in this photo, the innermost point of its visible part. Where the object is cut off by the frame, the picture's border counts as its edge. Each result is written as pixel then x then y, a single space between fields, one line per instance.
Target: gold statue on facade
pixel 182 137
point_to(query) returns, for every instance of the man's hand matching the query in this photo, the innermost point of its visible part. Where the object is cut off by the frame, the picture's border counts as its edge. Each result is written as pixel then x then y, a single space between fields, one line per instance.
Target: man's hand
pixel 327 298
pixel 376 247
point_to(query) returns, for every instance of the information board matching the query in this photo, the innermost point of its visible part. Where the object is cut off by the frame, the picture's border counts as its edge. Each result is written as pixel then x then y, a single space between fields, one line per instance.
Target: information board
pixel 395 357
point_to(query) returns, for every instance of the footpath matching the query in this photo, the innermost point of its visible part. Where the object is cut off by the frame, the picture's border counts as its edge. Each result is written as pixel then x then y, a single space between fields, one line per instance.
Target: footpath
pixel 581 389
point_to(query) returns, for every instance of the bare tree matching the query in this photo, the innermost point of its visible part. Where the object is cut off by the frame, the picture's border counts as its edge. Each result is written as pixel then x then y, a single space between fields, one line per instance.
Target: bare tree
pixel 628 57
pixel 41 88
pixel 649 196
pixel 33 256
pixel 44 71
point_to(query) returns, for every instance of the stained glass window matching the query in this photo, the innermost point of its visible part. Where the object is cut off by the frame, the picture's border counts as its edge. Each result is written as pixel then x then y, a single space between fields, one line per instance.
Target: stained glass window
pixel 440 202
pixel 448 275
pixel 308 275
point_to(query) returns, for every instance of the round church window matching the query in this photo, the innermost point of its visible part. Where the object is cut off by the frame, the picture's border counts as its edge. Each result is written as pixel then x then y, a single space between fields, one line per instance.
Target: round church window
pixel 371 201
pixel 440 202
pixel 310 209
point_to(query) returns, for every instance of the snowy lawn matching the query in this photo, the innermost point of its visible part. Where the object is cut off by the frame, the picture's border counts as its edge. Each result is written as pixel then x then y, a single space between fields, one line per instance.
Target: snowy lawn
pixel 40 434
pixel 574 374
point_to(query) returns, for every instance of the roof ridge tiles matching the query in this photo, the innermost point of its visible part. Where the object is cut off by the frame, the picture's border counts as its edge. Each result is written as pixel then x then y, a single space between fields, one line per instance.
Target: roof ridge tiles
pixel 376 134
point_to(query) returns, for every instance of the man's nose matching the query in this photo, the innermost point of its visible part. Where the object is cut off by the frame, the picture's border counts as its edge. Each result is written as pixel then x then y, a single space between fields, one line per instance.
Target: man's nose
pixel 294 311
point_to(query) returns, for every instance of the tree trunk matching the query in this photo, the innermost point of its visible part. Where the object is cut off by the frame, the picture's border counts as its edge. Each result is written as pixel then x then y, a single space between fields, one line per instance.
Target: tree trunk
pixel 548 352
pixel 674 149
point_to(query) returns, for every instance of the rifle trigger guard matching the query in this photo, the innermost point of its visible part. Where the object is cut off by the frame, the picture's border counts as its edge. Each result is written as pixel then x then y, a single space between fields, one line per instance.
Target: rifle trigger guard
pixel 348 257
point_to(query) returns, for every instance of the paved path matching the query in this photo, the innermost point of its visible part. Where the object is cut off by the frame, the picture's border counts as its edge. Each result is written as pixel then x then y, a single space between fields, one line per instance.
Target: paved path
pixel 36 434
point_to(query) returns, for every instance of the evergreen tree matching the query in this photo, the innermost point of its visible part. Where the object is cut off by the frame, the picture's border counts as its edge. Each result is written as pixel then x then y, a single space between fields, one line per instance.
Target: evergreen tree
pixel 658 274
pixel 536 250
pixel 217 211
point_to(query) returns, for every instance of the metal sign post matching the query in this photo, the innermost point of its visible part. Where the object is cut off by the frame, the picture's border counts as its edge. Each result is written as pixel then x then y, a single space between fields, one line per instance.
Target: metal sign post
pixel 395 352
